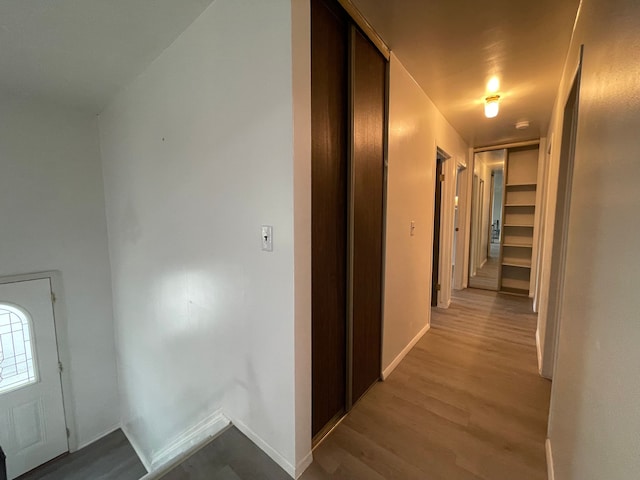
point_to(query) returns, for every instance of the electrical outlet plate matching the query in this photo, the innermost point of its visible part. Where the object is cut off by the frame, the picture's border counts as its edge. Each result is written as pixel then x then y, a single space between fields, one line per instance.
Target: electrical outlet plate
pixel 267 238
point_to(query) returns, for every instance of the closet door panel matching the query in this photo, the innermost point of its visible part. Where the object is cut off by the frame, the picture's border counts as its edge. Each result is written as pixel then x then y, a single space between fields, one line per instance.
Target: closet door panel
pixel 368 77
pixel 329 213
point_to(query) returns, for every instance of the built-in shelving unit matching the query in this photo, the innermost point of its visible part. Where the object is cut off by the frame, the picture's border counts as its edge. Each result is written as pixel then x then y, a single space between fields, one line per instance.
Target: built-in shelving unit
pixel 521 173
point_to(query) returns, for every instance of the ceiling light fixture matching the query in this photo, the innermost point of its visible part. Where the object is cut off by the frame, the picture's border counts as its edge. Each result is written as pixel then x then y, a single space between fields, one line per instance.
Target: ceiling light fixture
pixel 493 85
pixel 491 106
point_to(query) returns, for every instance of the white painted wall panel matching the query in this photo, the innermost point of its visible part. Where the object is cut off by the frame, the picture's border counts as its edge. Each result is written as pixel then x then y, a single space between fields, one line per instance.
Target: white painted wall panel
pixel 52 218
pixel 595 419
pixel 197 154
pixel 416 128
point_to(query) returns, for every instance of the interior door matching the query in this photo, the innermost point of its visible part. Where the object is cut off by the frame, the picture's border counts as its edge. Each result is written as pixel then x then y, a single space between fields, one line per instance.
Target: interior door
pixel 32 423
pixel 348 88
pixel 437 215
pixel 328 213
pixel 367 172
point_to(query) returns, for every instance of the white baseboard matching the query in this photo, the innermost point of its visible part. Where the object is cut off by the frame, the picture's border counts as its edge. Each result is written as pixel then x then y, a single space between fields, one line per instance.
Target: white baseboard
pixel 191 438
pixel 539 350
pixel 136 447
pixel 444 305
pixel 108 431
pixel 550 471
pixel 541 369
pixel 396 361
pixel 266 448
pixel 304 464
pixel 181 446
pixel 196 437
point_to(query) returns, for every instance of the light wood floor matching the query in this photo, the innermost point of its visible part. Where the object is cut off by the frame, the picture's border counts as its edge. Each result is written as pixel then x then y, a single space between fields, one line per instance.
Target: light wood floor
pixel 466 403
pixel 486 277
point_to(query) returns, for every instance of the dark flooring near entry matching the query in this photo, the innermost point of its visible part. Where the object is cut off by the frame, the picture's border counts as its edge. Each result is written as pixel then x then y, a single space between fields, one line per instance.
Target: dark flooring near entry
pixel 231 456
pixel 110 458
pixel 466 403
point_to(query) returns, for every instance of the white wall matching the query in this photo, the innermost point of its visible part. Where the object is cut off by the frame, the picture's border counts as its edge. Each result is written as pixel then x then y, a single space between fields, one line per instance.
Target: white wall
pixel 197 154
pixel 301 66
pixel 461 216
pixel 416 129
pixel 53 218
pixel 595 419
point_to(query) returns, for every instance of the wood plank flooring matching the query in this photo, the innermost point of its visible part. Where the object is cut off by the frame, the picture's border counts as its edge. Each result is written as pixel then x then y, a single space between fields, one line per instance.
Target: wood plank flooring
pixel 486 277
pixel 110 458
pixel 466 403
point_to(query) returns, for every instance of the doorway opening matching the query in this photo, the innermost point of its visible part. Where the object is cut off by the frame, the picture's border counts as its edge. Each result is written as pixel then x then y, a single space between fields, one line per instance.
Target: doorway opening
pixel 459 229
pixel 441 156
pixel 486 221
pixel 561 225
pixel 31 395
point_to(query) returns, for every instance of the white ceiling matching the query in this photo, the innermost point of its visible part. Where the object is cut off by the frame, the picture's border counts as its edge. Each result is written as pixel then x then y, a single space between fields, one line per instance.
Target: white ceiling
pixel 452 48
pixel 80 52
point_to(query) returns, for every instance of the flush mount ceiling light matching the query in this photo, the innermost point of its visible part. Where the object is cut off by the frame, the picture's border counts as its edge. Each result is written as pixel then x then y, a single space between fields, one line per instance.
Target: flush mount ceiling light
pixel 491 106
pixel 493 85
pixel 522 125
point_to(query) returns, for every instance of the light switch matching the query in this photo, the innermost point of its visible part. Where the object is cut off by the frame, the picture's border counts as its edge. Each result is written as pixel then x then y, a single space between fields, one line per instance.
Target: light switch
pixel 412 228
pixel 267 238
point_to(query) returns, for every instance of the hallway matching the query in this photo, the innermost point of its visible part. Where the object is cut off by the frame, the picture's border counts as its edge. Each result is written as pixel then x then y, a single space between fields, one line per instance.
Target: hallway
pixel 486 277
pixel 466 403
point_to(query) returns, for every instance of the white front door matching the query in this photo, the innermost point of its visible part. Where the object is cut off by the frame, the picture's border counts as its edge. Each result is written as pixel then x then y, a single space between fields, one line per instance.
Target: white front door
pixel 32 424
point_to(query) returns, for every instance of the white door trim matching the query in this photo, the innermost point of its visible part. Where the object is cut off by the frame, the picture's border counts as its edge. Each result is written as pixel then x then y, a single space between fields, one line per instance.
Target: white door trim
pixel 60 323
pixel 447 212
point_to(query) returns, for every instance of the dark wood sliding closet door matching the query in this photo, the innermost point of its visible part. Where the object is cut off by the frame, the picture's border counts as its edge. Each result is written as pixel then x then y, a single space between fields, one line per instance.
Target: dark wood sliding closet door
pixel 329 102
pixel 368 78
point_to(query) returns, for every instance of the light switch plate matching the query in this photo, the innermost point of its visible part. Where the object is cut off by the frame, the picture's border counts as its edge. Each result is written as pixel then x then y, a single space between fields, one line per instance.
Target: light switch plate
pixel 267 238
pixel 412 228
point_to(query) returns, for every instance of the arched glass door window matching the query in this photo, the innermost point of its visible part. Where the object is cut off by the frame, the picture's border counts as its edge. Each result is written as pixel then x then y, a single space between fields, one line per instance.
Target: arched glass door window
pixel 17 364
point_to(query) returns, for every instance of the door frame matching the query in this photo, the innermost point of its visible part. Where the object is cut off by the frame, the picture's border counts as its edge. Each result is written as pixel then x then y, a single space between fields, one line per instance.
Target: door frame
pixel 447 212
pixel 436 254
pixel 473 225
pixel 60 325
pixel 561 215
pixel 460 182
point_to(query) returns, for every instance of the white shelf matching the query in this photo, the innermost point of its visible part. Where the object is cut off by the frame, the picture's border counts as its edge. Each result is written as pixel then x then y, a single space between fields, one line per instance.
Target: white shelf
pixel 520 292
pixel 516 263
pixel 516 283
pixel 518 220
